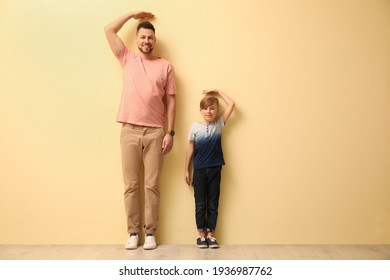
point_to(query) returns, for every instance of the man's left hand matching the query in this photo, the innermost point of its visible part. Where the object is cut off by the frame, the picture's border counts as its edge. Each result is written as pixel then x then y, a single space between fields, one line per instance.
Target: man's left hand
pixel 167 144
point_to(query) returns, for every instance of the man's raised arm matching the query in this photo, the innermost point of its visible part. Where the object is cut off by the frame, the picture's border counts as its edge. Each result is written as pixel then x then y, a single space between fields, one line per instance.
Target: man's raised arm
pixel 111 29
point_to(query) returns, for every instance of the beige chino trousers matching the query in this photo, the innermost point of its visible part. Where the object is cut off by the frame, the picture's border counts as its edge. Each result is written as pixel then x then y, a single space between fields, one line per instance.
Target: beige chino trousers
pixel 141 145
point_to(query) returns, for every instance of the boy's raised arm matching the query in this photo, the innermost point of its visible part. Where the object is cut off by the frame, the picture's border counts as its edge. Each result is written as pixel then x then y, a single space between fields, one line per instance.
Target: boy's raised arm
pixel 230 104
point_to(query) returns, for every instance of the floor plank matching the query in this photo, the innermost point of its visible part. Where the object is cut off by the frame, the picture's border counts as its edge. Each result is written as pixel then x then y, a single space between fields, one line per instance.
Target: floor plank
pixel 191 252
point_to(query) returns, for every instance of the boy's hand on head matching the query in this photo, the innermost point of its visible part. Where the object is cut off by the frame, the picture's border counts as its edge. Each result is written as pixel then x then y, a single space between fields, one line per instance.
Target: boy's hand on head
pixel 210 91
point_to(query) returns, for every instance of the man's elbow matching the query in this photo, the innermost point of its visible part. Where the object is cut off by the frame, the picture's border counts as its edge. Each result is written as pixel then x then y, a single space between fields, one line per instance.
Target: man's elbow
pixel 108 30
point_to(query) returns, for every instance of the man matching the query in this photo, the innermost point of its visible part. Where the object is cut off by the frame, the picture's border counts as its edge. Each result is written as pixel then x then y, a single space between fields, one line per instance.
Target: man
pixel 148 97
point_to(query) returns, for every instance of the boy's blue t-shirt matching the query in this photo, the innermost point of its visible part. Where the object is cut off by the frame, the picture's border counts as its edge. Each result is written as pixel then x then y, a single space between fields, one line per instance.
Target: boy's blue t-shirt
pixel 208 145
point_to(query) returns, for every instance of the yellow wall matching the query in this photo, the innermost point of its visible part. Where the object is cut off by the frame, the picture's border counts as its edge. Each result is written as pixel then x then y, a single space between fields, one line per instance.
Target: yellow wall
pixel 307 149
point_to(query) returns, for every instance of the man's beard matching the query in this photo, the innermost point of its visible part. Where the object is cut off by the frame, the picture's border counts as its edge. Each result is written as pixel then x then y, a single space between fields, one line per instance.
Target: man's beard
pixel 146 52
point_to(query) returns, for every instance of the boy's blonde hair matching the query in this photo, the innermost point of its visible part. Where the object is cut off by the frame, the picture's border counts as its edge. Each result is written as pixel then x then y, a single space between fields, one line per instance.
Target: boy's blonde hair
pixel 208 100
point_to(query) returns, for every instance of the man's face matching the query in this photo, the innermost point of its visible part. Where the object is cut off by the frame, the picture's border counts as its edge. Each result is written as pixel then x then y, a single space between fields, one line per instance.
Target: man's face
pixel 145 40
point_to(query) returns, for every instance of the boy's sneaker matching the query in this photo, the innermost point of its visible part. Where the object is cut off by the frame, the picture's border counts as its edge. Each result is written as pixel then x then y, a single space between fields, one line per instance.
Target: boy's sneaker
pixel 150 242
pixel 213 244
pixel 132 242
pixel 201 242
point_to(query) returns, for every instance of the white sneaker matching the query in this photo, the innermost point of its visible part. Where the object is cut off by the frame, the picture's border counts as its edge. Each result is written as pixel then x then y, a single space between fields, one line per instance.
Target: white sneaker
pixel 132 242
pixel 150 242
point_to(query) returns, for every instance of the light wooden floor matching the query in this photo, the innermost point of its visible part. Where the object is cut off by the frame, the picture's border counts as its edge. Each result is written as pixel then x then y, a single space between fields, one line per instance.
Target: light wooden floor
pixel 191 252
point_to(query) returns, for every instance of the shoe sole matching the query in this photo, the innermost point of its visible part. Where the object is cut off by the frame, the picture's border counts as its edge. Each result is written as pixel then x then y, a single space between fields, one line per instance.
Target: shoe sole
pixel 130 248
pixel 202 246
pixel 150 248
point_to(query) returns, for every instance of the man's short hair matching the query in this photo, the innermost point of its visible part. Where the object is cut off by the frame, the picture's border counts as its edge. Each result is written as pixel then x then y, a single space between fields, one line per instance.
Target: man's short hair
pixel 146 25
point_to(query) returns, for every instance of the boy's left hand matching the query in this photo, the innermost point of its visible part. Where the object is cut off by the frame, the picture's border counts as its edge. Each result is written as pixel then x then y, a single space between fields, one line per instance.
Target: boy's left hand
pixel 187 178
pixel 210 91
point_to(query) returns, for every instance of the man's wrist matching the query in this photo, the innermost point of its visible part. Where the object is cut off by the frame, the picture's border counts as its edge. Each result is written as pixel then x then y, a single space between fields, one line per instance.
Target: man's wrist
pixel 171 132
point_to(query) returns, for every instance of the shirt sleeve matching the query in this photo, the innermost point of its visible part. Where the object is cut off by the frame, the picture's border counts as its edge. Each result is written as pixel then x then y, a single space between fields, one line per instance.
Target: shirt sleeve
pixel 220 123
pixel 123 55
pixel 191 134
pixel 170 87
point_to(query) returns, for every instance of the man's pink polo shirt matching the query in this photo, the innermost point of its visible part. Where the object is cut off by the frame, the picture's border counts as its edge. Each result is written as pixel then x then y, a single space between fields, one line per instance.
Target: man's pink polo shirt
pixel 145 83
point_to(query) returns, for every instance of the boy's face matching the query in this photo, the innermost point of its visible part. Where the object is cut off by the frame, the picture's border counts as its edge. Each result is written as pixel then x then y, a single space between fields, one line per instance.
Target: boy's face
pixel 210 112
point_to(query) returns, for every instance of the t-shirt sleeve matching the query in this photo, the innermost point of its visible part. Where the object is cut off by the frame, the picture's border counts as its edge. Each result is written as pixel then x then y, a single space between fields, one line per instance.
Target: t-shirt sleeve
pixel 191 134
pixel 220 123
pixel 170 86
pixel 123 55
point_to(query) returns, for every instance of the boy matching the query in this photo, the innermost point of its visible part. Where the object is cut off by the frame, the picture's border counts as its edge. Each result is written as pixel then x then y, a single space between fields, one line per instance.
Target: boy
pixel 205 150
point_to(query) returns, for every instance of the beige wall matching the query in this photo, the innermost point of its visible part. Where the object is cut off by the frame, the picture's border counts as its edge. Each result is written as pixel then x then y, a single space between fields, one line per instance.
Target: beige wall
pixel 307 150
